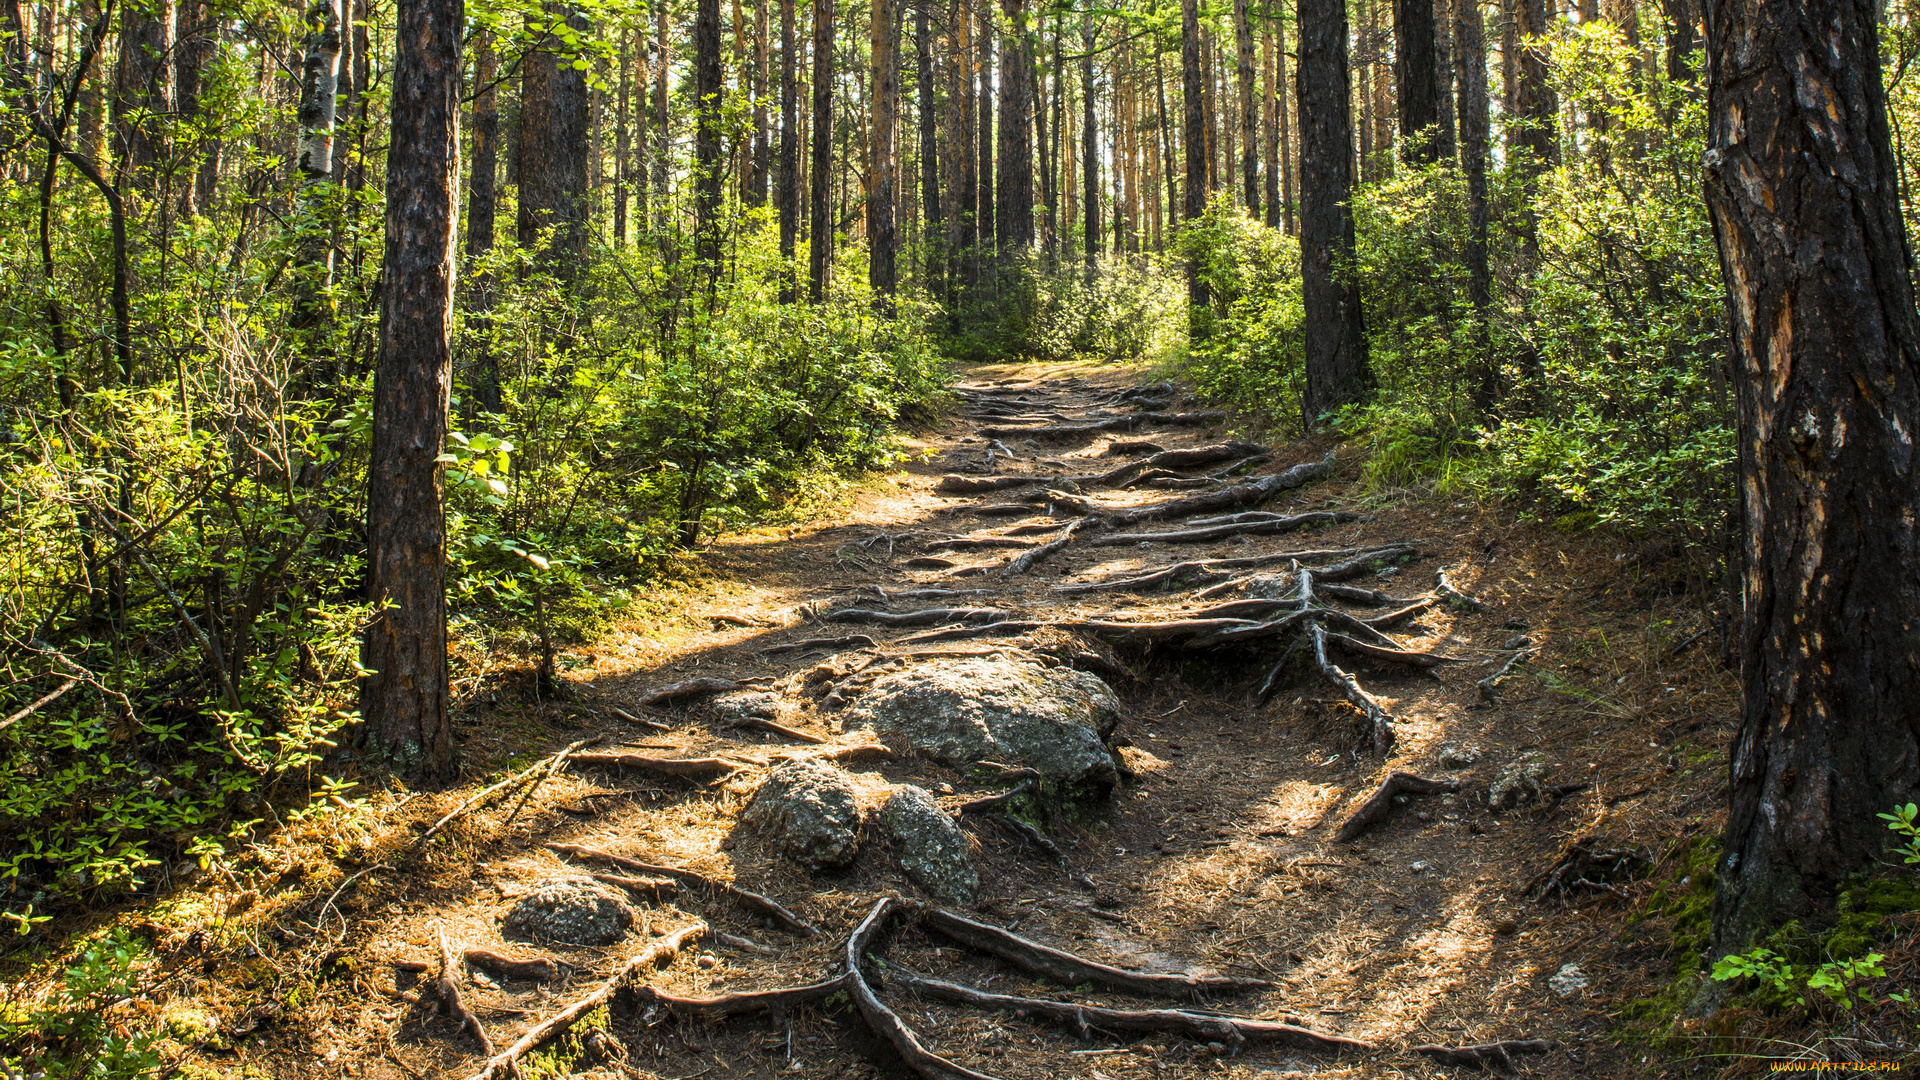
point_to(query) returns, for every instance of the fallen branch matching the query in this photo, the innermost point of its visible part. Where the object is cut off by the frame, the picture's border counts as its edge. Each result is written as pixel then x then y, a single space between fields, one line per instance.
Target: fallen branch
pixel 480 798
pixel 1238 495
pixel 664 949
pixel 883 1020
pixel 1379 721
pixel 924 617
pixel 850 641
pixel 685 767
pixel 538 969
pixel 718 1008
pixel 1032 558
pixel 1070 970
pixel 767 906
pixel 1221 532
pixel 1234 1031
pixel 1484 1055
pixel 447 988
pixel 692 688
pixel 39 703
pixel 1380 803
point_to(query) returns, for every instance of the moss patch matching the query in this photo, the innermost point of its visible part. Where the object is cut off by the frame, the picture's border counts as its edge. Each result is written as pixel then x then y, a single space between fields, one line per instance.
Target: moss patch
pixel 1686 898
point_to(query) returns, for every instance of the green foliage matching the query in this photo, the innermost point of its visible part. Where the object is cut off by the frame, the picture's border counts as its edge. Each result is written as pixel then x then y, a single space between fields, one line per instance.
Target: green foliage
pixel 1131 308
pixel 72 1031
pixel 1905 821
pixel 1250 353
pixel 1779 980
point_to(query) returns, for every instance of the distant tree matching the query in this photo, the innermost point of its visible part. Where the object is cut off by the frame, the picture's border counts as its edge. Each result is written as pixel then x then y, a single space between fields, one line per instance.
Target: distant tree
pixel 1336 348
pixel 1802 184
pixel 553 138
pixel 883 166
pixel 820 177
pixel 709 180
pixel 404 700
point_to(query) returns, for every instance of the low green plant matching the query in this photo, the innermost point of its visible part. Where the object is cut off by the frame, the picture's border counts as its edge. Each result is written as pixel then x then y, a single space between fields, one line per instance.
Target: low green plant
pixel 1835 979
pixel 72 1032
pixel 1905 821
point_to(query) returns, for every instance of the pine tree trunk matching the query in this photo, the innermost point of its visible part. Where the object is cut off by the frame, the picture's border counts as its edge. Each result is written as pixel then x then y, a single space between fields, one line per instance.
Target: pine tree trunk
pixel 820 227
pixel 1416 72
pixel 984 116
pixel 1336 348
pixel 195 48
pixel 621 145
pixel 883 164
pixel 1193 92
pixel 144 94
pixel 1269 126
pixel 553 148
pixel 966 190
pixel 1446 142
pixel 1471 51
pixel 757 175
pixel 708 179
pixel 933 234
pixel 662 132
pixel 787 192
pixel 1014 212
pixel 1535 107
pixel 1682 40
pixel 319 84
pixel 1826 369
pixel 1089 153
pixel 404 701
pixel 1249 114
pixel 482 203
pixel 1284 107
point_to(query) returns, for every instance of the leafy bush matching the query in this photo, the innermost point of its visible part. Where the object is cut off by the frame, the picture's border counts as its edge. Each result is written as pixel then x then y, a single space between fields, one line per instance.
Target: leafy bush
pixel 71 1032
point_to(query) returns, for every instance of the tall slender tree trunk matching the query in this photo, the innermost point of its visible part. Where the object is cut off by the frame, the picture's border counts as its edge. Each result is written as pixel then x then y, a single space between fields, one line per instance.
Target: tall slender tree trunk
pixel 883 164
pixel 1249 109
pixel 195 47
pixel 1416 73
pixel 319 84
pixel 1052 153
pixel 1172 175
pixel 1089 152
pixel 757 174
pixel 1336 347
pixel 1284 108
pixel 404 701
pixel 1535 107
pixel 984 42
pixel 144 94
pixel 966 190
pixel 1446 142
pixel 708 179
pixel 1826 367
pixel 482 203
pixel 1682 40
pixel 1193 91
pixel 662 119
pixel 90 134
pixel 553 146
pixel 934 222
pixel 1014 213
pixel 1471 50
pixel 621 138
pixel 787 193
pixel 820 238
pixel 1269 125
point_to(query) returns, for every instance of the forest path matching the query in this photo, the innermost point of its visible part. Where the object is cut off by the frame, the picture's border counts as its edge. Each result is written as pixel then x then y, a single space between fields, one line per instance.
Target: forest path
pixel 1219 855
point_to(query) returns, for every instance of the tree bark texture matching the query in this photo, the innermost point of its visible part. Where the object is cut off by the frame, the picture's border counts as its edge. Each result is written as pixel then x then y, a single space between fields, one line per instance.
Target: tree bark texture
pixel 1336 349
pixel 983 38
pixel 1470 48
pixel 787 186
pixel 882 165
pixel 1416 73
pixel 1193 94
pixel 1089 151
pixel 319 86
pixel 553 143
pixel 404 701
pixel 1801 184
pixel 144 94
pixel 934 222
pixel 1249 109
pixel 707 88
pixel 1014 215
pixel 1536 109
pixel 756 194
pixel 820 238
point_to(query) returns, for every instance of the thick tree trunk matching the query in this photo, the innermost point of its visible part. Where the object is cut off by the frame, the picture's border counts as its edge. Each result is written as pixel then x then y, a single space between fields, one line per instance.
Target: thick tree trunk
pixel 787 189
pixel 983 37
pixel 1682 41
pixel 195 28
pixel 1249 112
pixel 883 164
pixel 1416 73
pixel 1336 348
pixel 1802 185
pixel 404 701
pixel 1193 94
pixel 1470 41
pixel 553 146
pixel 820 238
pixel 934 222
pixel 1014 214
pixel 1535 107
pixel 708 178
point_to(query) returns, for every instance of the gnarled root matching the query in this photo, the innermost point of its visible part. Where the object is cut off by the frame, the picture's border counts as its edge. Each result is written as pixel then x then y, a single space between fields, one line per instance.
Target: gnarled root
pixel 1070 970
pixel 1380 803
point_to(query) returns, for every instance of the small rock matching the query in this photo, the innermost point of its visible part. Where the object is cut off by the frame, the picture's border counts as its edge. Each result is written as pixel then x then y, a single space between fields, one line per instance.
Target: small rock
pixel 1520 782
pixel 1269 587
pixel 1420 867
pixel 809 812
pixel 931 848
pixel 747 704
pixel 1459 757
pixel 1424 816
pixel 569 912
pixel 1517 641
pixel 1568 981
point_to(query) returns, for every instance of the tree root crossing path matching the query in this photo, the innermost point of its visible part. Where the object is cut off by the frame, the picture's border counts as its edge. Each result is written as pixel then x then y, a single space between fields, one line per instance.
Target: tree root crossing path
pixel 1296 849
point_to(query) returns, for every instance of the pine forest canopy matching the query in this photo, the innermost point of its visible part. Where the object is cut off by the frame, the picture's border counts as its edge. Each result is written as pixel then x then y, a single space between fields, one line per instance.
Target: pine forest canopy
pixel 334 332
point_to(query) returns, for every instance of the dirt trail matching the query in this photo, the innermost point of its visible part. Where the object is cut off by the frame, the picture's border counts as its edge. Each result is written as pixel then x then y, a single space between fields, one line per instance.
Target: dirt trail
pixel 1218 856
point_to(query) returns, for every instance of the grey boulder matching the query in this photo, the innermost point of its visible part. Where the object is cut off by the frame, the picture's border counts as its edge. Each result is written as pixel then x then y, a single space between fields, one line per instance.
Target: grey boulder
pixel 808 811
pixel 569 912
pixel 957 712
pixel 931 848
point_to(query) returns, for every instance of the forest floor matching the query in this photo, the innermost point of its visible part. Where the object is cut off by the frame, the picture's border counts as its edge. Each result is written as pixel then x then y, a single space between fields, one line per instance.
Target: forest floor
pixel 1217 855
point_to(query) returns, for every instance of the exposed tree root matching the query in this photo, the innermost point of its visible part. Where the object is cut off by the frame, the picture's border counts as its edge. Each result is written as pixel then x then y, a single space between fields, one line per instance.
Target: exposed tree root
pixel 692 688
pixel 1246 494
pixel 1489 685
pixel 651 888
pixel 1210 568
pixel 761 723
pixel 682 767
pixel 1221 532
pixel 447 989
pixel 924 617
pixel 1380 803
pixel 1445 590
pixel 883 1020
pixel 1131 446
pixel 1392 655
pixel 925 594
pixel 665 949
pixel 1117 423
pixel 1029 780
pixel 999 510
pixel 975 485
pixel 969 633
pixel 1234 1031
pixel 929 562
pixel 1361 563
pixel 753 901
pixel 977 543
pixel 1030 559
pixel 850 641
pixel 1486 1055
pixel 1070 970
pixel 541 768
pixel 1398 615
pixel 538 969
pixel 1379 721
pixel 1587 864
pixel 1194 457
pixel 1035 837
pixel 747 1004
